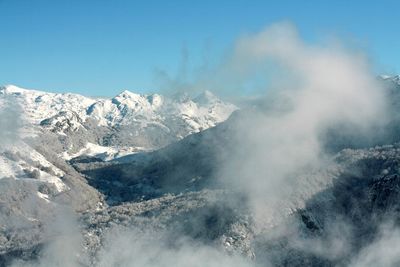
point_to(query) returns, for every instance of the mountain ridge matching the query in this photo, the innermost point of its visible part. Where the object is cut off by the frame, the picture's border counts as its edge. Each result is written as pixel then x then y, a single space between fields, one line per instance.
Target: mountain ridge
pixel 127 119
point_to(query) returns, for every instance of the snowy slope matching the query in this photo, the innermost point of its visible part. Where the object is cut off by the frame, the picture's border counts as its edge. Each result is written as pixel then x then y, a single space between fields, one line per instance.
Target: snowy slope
pixel 23 162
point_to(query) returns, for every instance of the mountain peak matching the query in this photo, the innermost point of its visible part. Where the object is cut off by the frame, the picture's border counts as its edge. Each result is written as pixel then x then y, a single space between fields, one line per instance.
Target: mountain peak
pixel 128 94
pixel 127 97
pixel 10 88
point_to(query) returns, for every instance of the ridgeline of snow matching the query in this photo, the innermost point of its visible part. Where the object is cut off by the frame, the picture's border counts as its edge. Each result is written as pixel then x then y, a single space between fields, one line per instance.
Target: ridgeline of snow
pixel 176 117
pixel 38 105
pixel 111 128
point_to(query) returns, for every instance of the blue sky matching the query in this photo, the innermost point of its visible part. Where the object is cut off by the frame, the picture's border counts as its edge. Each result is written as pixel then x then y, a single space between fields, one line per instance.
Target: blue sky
pixel 101 47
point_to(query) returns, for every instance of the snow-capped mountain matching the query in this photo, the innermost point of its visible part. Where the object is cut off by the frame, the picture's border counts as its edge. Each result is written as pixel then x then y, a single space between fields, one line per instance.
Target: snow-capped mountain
pixel 155 110
pixel 127 122
pixel 55 109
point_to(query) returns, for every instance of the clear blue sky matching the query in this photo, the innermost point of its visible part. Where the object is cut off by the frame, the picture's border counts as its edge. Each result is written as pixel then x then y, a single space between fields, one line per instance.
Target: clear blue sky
pixel 100 47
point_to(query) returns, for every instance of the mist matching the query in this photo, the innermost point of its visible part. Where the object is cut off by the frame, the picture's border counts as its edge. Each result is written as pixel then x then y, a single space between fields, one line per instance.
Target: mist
pixel 154 248
pixel 10 123
pixel 64 242
pixel 315 88
pixel 383 251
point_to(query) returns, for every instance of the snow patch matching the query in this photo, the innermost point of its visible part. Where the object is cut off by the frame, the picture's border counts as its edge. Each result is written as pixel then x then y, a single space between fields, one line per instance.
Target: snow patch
pixel 103 152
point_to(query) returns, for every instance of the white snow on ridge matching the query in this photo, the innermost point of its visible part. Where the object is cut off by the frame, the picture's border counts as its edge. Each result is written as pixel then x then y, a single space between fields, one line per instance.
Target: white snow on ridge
pixel 39 105
pixel 128 107
pixel 67 111
pixel 103 152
